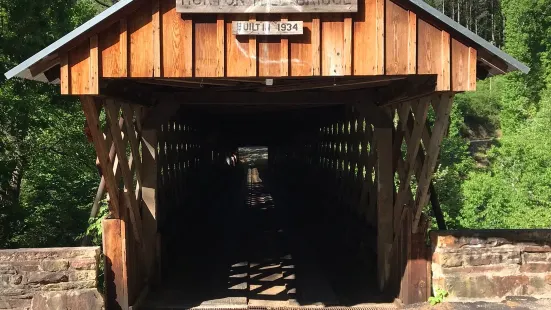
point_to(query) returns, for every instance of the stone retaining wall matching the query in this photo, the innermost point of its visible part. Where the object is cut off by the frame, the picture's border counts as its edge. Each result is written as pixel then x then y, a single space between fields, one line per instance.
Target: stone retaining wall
pixel 56 278
pixel 486 264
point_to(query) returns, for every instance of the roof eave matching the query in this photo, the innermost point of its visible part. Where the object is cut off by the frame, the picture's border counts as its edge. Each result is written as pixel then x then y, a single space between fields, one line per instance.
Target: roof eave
pixel 22 70
pixel 512 63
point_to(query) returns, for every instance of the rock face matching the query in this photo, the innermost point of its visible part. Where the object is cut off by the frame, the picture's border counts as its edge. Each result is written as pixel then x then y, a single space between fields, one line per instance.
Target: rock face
pixel 44 279
pixel 492 263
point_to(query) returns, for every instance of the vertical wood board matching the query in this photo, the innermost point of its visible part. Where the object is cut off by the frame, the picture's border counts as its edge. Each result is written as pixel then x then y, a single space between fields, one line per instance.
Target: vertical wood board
pixel 433 53
pixel 332 45
pixel 368 42
pixel 396 39
pixel 177 42
pixel 301 47
pixel 240 51
pixel 269 51
pixel 110 49
pixel 79 65
pixel 206 54
pixel 140 28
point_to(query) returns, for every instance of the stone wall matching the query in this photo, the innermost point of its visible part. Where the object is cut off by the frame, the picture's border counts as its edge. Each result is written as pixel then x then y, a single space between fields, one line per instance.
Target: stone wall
pixel 488 264
pixel 57 278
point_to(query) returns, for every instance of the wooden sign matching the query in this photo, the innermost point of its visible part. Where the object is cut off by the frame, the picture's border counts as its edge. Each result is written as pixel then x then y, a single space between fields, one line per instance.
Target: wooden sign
pixel 266 6
pixel 267 28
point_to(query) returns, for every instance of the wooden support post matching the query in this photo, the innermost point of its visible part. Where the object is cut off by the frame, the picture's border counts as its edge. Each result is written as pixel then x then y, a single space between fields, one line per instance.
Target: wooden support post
pixel 149 201
pixel 114 251
pixel 385 188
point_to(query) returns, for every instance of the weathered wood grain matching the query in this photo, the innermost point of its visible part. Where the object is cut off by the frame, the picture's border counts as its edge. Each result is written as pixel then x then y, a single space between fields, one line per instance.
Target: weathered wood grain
pixel 434 54
pixel 94 66
pixel 369 38
pixel 140 28
pixel 109 45
pixel 65 80
pixel 240 62
pixel 332 45
pixel 397 39
pixel 177 42
pixel 79 67
pixel 116 281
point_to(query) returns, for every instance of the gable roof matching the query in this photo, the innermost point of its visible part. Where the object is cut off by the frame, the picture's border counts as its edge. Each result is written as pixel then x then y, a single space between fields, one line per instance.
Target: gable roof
pixel 50 58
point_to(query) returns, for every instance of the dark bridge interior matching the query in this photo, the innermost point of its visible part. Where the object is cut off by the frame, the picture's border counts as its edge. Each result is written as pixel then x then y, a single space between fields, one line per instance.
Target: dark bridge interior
pixel 295 229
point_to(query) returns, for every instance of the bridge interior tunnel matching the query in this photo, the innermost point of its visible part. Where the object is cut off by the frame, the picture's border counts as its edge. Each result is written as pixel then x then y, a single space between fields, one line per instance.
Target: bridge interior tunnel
pixel 297 227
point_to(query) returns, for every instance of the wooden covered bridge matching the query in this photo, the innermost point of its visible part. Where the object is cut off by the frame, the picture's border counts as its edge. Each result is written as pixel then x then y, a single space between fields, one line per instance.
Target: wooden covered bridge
pixel 351 98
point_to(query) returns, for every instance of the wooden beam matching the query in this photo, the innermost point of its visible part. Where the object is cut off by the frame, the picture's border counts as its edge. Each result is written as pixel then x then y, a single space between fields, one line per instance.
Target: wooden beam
pixel 116 274
pixel 112 111
pixel 89 106
pixel 443 110
pixel 385 193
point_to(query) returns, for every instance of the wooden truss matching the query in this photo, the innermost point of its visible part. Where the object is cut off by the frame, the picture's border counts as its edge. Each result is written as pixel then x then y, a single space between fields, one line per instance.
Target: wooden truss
pixel 378 162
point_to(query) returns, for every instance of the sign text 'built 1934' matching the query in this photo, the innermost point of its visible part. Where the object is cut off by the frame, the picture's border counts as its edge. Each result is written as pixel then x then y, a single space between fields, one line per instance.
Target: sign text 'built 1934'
pixel 266 6
pixel 267 28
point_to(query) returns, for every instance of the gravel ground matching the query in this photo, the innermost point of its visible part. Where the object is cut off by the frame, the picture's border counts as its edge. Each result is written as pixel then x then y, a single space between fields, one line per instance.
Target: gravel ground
pixel 517 303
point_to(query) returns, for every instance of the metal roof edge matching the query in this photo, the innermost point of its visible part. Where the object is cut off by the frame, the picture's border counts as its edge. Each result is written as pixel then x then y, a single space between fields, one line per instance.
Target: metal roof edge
pixel 510 60
pixel 22 70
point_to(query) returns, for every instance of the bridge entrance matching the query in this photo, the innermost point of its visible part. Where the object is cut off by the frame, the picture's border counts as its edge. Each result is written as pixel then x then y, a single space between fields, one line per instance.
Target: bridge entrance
pixel 352 110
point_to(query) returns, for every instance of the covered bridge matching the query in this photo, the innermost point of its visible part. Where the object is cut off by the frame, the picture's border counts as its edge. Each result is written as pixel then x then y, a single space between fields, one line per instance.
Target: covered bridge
pixel 351 98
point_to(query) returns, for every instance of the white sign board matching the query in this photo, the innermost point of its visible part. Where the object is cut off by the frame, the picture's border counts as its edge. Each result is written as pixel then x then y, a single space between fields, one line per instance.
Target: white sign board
pixel 267 28
pixel 266 6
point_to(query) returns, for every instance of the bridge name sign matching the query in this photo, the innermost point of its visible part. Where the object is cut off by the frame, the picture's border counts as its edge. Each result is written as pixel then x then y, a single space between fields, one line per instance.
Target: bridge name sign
pixel 266 6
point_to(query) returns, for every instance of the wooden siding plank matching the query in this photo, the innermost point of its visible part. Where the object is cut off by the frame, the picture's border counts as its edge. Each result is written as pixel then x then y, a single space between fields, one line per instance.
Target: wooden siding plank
pixel 472 69
pixel 433 53
pixel 177 42
pixel 237 50
pixel 369 32
pixel 79 64
pixel 156 28
pixel 220 46
pixel 460 66
pixel 123 47
pixel 347 48
pixel 239 60
pixel 94 66
pixel 284 51
pixel 253 51
pixel 64 77
pixel 206 49
pixel 301 47
pixel 269 51
pixel 316 45
pixel 109 45
pixel 446 63
pixel 140 28
pixel 332 45
pixel 412 43
pixel 396 39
